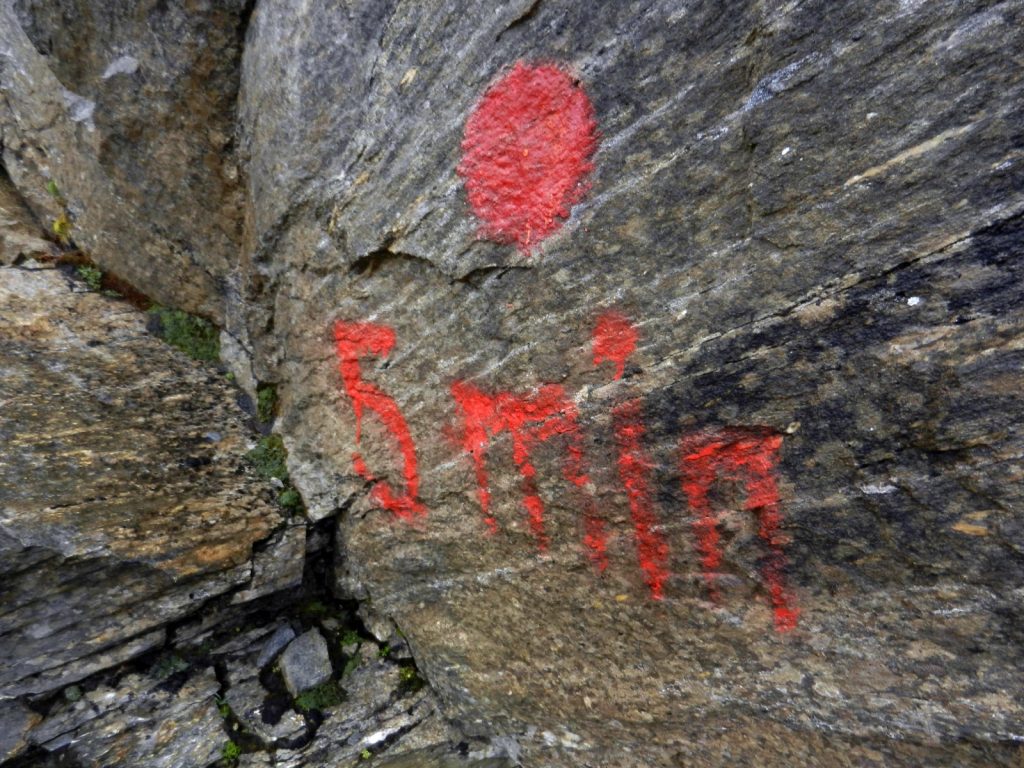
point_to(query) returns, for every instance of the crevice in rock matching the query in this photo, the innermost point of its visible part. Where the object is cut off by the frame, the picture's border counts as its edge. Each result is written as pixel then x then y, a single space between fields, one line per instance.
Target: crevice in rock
pixel 366 266
pixel 522 18
pixel 475 278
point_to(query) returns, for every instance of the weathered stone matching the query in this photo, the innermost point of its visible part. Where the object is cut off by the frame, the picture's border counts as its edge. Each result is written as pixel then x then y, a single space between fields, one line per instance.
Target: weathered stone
pixel 373 715
pixel 117 515
pixel 128 109
pixel 140 722
pixel 305 663
pixel 274 645
pixel 810 215
pixel 725 469
pixel 277 566
pixel 15 722
pixel 246 700
pixel 20 238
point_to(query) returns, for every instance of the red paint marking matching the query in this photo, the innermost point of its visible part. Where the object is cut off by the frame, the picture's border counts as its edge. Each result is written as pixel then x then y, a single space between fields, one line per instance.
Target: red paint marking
pixel 748 456
pixel 529 419
pixel 526 153
pixel 354 341
pixel 615 339
pixel 635 472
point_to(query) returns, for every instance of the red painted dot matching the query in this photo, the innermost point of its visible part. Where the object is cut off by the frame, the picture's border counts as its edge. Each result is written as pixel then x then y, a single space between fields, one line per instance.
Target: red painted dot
pixel 526 153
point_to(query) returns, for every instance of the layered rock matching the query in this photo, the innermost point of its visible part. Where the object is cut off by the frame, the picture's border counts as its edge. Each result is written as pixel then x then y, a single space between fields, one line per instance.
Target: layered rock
pixel 126 114
pixel 736 445
pixel 127 503
pixel 659 364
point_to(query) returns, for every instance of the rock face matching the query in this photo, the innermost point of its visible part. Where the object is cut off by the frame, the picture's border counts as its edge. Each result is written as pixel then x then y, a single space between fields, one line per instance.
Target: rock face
pixel 736 446
pixel 657 363
pixel 306 663
pixel 129 111
pixel 120 511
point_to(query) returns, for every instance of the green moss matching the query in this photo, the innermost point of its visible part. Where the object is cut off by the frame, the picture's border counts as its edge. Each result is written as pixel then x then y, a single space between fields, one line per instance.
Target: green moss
pixel 268 458
pixel 322 697
pixel 72 693
pixel 230 753
pixel 351 637
pixel 384 651
pixel 290 499
pixel 366 754
pixel 92 277
pixel 223 707
pixel 194 336
pixel 315 608
pixel 410 678
pixel 266 402
pixel 54 191
pixel 167 665
pixel 350 666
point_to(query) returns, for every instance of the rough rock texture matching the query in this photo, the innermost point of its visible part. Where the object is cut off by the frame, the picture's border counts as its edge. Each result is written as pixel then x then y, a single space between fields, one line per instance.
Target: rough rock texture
pixel 810 215
pixel 129 109
pixel 120 509
pixel 305 663
pixel 140 721
pixel 19 238
pixel 725 470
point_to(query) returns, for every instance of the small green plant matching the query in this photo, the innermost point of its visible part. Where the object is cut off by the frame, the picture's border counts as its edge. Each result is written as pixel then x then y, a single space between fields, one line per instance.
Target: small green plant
pixel 290 499
pixel 266 402
pixel 384 651
pixel 322 697
pixel 167 665
pixel 230 753
pixel 223 707
pixel 268 458
pixel 193 335
pixel 410 679
pixel 92 277
pixel 62 228
pixel 350 637
pixel 366 754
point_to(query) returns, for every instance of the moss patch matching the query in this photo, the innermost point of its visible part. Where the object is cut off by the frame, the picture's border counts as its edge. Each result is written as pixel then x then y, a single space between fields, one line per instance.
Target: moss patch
pixel 230 753
pixel 194 336
pixel 322 697
pixel 268 458
pixel 266 402
pixel 92 277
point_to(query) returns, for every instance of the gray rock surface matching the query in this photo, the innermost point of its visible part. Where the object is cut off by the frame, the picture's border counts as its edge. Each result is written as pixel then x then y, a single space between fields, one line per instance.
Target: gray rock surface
pixel 797 434
pixel 129 110
pixel 274 645
pixel 19 235
pixel 811 214
pixel 305 663
pixel 117 515
pixel 139 721
pixel 15 722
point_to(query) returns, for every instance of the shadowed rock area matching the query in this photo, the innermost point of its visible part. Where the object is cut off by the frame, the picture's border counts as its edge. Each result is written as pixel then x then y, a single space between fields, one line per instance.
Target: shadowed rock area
pixel 715 460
